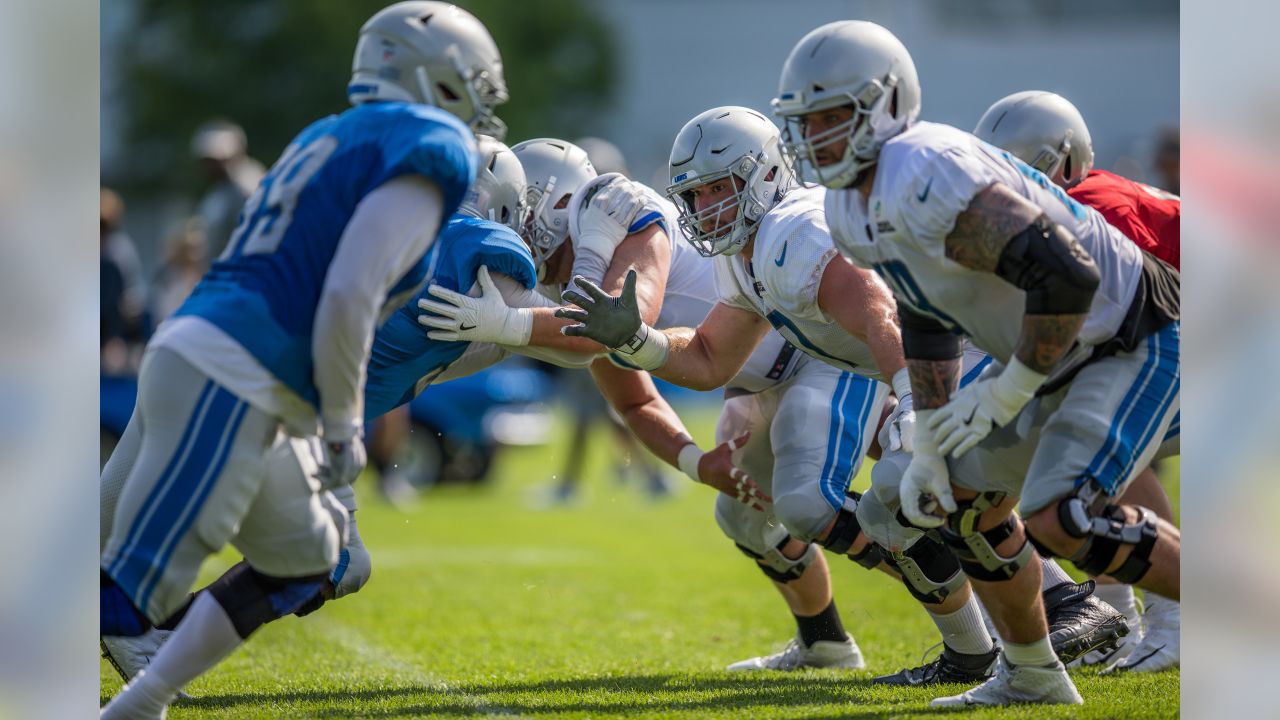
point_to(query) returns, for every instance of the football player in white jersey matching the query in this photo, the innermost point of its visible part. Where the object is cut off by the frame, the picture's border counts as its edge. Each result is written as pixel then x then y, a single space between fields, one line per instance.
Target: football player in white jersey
pixel 1083 328
pixel 689 293
pixel 1048 133
pixel 618 224
pixel 777 265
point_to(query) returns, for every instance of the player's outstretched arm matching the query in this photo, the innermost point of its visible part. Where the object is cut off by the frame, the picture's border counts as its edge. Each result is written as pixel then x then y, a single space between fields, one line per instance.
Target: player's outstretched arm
pixel 375 249
pixel 1004 234
pixel 702 359
pixel 649 416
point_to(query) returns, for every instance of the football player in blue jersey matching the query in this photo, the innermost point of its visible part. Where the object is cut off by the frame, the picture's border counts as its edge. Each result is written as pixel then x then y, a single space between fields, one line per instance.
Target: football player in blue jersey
pixel 276 338
pixel 478 251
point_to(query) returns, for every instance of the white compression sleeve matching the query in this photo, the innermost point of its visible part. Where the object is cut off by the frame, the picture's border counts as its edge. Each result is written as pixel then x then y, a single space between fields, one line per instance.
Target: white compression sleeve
pixel 391 228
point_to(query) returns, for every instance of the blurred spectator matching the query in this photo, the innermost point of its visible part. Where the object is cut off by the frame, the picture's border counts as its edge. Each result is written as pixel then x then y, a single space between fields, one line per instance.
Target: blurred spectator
pixel 118 249
pixel 122 294
pixel 222 150
pixel 604 155
pixel 184 265
pixel 1167 161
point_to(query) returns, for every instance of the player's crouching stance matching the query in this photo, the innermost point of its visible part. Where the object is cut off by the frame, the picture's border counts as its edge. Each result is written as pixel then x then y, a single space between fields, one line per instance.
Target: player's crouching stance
pixel 1048 133
pixel 777 264
pixel 1083 325
pixel 276 337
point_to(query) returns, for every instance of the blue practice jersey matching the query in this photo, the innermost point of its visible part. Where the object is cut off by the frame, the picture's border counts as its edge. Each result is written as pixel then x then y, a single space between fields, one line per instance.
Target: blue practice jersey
pixel 264 289
pixel 404 360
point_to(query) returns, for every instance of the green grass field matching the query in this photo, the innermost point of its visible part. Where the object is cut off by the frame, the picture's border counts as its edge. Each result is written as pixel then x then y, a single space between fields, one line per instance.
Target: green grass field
pixel 616 606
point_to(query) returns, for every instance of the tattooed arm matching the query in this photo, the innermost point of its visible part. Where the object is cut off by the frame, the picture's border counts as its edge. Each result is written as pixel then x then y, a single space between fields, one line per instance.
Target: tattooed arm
pixel 1005 234
pixel 933 358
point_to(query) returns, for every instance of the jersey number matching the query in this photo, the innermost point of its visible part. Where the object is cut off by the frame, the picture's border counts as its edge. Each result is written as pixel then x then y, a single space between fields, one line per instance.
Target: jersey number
pixel 261 230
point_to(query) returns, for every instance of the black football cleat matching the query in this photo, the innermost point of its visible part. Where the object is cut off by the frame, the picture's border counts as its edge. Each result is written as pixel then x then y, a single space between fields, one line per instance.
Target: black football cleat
pixel 949 667
pixel 1080 622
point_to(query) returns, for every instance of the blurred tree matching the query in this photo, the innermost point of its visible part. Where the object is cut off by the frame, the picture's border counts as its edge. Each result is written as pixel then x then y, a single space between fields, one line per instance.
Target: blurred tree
pixel 276 66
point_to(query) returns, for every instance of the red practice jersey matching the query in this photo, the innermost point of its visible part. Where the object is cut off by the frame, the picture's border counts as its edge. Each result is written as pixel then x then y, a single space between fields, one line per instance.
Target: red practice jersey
pixel 1149 216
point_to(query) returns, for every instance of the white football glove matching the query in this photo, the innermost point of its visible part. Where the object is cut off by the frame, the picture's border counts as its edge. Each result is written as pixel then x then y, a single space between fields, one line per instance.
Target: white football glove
pixel 899 430
pixel 925 490
pixel 981 405
pixel 342 454
pixel 605 220
pixel 462 318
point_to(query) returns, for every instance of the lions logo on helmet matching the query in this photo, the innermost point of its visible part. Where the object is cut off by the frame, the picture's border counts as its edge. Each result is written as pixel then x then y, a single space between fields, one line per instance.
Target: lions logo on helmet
pixel 734 143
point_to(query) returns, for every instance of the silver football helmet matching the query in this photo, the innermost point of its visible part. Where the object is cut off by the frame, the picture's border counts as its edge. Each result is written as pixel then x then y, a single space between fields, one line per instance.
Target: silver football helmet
pixel 854 64
pixel 1043 130
pixel 555 170
pixel 431 53
pixel 734 143
pixel 498 194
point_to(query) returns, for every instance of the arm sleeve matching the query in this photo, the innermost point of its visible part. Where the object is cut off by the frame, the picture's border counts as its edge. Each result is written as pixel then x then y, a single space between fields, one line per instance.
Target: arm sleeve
pixel 389 231
pixel 518 296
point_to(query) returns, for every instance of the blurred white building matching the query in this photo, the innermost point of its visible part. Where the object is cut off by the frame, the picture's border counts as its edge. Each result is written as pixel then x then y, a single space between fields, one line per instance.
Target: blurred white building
pixel 1117 61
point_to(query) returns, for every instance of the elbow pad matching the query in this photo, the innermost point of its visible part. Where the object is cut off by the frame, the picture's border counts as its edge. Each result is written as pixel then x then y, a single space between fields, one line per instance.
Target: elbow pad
pixel 924 338
pixel 1047 262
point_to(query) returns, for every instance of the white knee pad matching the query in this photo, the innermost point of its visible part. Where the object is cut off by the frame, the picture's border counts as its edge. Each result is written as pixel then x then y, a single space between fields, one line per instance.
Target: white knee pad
pixel 804 512
pixel 752 529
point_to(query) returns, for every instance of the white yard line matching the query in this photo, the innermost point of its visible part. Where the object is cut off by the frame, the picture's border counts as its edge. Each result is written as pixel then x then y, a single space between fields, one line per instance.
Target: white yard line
pixel 380 656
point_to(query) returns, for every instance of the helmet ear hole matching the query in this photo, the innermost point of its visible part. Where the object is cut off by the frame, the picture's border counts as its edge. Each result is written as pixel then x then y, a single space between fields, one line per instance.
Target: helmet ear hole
pixel 893 102
pixel 1067 171
pixel 445 93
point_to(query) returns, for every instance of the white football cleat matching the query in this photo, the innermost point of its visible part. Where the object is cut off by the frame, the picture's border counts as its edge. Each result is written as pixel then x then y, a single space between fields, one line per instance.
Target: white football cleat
pixel 822 654
pixel 1109 659
pixel 1161 643
pixel 1019 684
pixel 128 655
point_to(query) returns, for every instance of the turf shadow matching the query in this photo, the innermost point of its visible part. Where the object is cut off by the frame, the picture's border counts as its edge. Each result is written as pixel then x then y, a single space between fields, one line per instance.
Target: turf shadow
pixel 618 694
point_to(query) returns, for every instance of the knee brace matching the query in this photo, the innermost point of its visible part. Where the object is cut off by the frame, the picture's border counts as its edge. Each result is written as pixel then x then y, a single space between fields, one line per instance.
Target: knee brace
pixel 929 569
pixel 252 599
pixel 976 550
pixel 846 528
pixel 779 567
pixel 1104 530
pixel 870 556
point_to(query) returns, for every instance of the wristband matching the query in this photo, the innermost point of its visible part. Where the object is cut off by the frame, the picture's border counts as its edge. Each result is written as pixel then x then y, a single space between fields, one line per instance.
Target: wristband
pixel 688 459
pixel 521 328
pixel 647 349
pixel 338 430
pixel 901 383
pixel 1018 383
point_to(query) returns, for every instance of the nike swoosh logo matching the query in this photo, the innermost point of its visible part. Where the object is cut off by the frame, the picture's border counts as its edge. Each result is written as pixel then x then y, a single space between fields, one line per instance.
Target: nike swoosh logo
pixel 972 412
pixel 466 327
pixel 925 193
pixel 783 257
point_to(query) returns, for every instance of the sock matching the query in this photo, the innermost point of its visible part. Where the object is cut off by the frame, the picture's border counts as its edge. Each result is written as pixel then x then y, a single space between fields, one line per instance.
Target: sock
pixel 1052 574
pixel 142 697
pixel 1035 654
pixel 116 613
pixel 963 630
pixel 1161 612
pixel 204 637
pixel 1121 598
pixel 825 625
